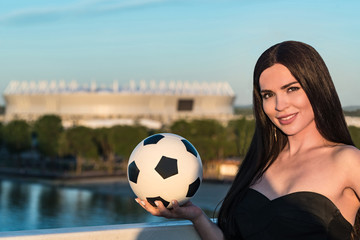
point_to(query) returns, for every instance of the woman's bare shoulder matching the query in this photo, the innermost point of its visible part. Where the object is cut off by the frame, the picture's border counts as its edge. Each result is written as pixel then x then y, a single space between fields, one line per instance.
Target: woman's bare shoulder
pixel 346 154
pixel 347 161
pixel 344 158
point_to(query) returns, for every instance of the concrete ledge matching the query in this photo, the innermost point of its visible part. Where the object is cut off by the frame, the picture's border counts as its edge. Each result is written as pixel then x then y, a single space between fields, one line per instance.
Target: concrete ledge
pixel 175 230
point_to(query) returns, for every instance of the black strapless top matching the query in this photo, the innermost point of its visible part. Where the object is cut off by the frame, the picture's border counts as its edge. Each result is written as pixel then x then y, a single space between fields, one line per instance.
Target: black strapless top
pixel 299 215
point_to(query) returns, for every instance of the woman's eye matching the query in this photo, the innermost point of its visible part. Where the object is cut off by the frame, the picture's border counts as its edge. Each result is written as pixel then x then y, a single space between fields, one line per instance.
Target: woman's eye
pixel 266 95
pixel 293 89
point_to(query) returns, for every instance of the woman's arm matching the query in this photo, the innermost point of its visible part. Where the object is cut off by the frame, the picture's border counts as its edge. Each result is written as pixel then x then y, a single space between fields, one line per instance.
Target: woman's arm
pixel 203 225
pixel 207 229
pixel 352 156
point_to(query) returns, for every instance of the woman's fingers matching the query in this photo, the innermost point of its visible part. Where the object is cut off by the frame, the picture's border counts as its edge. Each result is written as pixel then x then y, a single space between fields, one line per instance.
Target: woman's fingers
pixel 163 211
pixel 147 206
pixel 176 208
pixel 187 211
pixel 159 210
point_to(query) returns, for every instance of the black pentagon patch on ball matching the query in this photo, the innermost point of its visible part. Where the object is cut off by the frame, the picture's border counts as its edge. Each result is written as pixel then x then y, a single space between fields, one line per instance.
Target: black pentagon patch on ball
pixel 133 172
pixel 152 201
pixel 189 147
pixel 167 167
pixel 153 139
pixel 193 188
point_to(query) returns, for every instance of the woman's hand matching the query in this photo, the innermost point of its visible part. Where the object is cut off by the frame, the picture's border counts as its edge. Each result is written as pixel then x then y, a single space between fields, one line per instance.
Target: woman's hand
pixel 206 228
pixel 187 211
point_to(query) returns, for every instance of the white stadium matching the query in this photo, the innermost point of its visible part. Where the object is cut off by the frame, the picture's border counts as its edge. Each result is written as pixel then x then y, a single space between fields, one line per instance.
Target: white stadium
pixel 151 104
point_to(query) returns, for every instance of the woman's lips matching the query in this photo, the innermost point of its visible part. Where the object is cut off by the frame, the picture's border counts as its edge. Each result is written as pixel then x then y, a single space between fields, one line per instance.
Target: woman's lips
pixel 287 119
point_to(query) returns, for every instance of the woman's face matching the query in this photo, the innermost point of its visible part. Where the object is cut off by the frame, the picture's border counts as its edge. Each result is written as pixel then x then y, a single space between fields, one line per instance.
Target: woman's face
pixel 284 101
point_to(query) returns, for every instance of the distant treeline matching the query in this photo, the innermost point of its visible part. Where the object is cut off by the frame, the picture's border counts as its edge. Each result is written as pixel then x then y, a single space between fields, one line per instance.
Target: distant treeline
pixel 355 113
pixel 103 147
pixel 106 147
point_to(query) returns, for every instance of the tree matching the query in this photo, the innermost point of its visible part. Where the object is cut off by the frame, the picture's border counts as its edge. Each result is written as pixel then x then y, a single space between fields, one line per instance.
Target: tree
pixel 48 129
pixel 355 135
pixel 242 131
pixel 249 133
pixel 101 139
pixel 80 143
pixel 231 146
pixel 17 136
pixel 1 133
pixel 123 139
pixel 182 128
pixel 63 147
pixel 207 136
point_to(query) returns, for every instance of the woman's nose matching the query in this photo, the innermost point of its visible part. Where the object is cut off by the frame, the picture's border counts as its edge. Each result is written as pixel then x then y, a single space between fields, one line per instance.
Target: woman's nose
pixel 282 102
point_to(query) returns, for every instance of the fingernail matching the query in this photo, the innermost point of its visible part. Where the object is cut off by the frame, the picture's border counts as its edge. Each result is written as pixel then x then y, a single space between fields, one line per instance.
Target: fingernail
pixel 172 202
pixel 156 203
pixel 143 203
pixel 136 200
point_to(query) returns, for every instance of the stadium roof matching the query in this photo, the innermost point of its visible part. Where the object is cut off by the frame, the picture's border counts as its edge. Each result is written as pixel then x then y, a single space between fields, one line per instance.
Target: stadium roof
pixel 152 87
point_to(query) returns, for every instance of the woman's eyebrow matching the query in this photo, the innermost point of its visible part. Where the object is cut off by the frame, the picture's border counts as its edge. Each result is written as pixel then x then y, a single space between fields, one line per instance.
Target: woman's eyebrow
pixel 289 84
pixel 265 91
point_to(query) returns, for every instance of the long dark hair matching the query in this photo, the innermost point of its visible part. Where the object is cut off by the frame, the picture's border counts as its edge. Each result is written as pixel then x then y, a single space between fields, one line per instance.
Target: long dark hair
pixel 309 69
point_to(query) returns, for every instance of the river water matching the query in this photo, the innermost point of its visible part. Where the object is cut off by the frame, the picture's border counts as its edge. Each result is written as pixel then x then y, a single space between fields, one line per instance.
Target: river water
pixel 26 205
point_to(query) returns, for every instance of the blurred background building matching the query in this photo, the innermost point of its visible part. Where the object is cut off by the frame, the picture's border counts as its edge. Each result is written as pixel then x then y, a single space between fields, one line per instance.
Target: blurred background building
pixel 148 103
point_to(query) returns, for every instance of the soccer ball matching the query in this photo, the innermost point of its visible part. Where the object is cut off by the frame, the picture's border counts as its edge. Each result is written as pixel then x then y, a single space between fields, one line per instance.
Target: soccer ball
pixel 165 167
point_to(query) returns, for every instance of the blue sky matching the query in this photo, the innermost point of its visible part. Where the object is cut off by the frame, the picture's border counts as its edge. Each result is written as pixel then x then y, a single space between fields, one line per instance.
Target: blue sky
pixel 189 40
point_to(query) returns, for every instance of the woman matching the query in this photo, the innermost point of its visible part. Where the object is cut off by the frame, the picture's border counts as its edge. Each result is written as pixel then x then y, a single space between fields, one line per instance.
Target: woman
pixel 300 178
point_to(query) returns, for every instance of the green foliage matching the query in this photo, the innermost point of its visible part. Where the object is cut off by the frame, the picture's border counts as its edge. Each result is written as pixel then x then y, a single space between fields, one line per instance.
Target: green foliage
pixel 17 136
pixel 48 129
pixel 207 136
pixel 243 110
pixel 101 138
pixel 81 143
pixel 123 139
pixel 63 145
pixel 1 133
pixel 213 141
pixel 355 135
pixel 354 113
pixel 182 128
pixel 242 131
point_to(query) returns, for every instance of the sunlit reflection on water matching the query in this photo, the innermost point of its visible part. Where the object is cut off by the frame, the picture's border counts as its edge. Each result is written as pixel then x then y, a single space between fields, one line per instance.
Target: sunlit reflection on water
pixel 25 206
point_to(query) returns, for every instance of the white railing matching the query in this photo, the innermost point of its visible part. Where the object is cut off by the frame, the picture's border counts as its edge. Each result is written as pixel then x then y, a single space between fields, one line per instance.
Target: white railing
pixel 174 230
